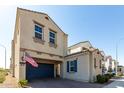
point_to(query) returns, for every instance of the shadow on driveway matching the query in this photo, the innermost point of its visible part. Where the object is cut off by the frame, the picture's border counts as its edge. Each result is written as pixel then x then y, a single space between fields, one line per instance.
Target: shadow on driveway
pixel 63 83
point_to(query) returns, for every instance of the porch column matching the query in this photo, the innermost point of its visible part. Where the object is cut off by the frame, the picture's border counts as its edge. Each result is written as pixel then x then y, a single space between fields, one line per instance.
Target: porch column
pixel 54 70
pixel 61 70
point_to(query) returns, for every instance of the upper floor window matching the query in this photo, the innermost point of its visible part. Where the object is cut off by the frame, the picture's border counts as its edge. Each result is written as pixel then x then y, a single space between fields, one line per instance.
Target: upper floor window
pixel 95 63
pixel 38 31
pixel 52 37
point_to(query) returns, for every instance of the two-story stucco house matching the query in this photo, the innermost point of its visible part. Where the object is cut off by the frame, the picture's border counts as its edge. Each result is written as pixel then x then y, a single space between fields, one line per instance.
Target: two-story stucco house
pixel 38 35
pixel 83 62
pixel 109 64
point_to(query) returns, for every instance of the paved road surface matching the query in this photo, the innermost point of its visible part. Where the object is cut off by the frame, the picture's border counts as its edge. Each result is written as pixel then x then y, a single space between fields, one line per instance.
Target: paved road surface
pixel 118 83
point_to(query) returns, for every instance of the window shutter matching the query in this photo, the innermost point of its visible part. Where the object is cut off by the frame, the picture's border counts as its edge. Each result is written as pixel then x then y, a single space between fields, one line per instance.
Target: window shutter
pixel 75 65
pixel 67 66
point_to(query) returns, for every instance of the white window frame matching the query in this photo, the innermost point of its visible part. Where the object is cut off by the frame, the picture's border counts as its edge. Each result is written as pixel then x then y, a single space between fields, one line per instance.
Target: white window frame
pixel 71 66
pixel 52 37
pixel 39 32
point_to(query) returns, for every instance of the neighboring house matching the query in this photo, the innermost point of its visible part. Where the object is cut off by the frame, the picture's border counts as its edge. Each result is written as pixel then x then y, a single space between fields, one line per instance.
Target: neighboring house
pixel 113 65
pixel 120 70
pixel 38 35
pixel 83 62
pixel 110 64
pixel 103 62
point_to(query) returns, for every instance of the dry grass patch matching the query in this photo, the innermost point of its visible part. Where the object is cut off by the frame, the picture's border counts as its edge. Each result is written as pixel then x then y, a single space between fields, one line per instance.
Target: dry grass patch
pixel 3 74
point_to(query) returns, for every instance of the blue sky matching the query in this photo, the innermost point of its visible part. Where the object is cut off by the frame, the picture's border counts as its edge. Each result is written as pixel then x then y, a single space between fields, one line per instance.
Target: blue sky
pixel 103 26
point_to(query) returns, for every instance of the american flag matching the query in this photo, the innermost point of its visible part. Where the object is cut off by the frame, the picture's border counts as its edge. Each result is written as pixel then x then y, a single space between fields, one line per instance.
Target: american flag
pixel 30 60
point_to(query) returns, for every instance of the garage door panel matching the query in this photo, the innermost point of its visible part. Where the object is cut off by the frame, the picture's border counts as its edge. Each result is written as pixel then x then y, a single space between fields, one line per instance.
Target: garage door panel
pixel 43 71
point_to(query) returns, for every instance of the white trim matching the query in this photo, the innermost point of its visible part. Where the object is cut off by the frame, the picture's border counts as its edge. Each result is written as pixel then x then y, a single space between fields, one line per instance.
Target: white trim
pixel 52 37
pixel 42 33
pixel 71 66
pixel 38 25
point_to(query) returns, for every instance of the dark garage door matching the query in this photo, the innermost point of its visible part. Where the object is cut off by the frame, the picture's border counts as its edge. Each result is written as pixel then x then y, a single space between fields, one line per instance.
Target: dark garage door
pixel 43 71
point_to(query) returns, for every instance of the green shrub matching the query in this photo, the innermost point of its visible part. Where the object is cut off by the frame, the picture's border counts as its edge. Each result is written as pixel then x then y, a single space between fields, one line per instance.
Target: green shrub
pixel 2 79
pixel 107 78
pixel 23 82
pixel 102 78
pixel 109 75
pixel 3 73
pixel 113 74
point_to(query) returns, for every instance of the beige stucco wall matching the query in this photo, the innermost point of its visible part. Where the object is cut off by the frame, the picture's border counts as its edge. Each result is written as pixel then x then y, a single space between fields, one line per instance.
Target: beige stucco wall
pixel 22 70
pixel 27 34
pixel 15 51
pixel 23 38
pixel 12 64
pixel 82 73
pixel 17 45
pixel 96 70
pixel 78 47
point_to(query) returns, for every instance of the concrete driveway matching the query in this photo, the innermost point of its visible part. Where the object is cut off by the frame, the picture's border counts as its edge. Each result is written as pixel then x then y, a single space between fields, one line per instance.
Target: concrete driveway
pixel 63 83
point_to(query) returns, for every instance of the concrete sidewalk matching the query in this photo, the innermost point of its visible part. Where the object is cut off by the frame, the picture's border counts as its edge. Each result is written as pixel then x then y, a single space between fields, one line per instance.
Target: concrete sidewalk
pixel 118 83
pixel 10 82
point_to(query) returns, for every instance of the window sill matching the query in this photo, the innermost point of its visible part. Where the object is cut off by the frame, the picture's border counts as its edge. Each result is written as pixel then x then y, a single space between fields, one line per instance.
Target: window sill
pixel 52 45
pixel 72 72
pixel 36 40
